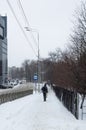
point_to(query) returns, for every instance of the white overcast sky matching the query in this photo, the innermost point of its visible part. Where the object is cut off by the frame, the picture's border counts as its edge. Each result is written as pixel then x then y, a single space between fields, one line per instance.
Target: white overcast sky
pixel 51 18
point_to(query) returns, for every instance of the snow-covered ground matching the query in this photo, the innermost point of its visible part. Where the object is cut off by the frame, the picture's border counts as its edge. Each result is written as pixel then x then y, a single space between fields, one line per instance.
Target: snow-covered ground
pixel 32 113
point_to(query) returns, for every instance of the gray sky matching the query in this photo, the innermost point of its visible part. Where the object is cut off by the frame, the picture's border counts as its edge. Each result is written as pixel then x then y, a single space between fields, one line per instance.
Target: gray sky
pixel 51 18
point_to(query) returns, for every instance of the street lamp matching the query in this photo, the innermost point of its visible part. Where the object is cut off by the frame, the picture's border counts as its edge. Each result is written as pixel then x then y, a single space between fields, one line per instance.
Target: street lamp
pixel 38 56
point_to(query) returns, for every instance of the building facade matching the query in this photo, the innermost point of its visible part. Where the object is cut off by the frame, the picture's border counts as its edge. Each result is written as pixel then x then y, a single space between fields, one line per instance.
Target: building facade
pixel 3 49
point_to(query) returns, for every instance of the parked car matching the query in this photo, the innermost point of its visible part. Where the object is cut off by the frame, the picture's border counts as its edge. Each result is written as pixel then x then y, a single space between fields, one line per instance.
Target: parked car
pixel 13 82
pixel 5 86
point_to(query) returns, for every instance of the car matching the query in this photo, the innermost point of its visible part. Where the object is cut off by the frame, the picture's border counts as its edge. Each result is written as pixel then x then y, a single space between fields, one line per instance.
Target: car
pixel 5 86
pixel 13 83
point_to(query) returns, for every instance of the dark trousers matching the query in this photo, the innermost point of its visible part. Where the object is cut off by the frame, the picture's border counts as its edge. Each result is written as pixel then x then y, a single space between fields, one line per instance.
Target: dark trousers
pixel 44 96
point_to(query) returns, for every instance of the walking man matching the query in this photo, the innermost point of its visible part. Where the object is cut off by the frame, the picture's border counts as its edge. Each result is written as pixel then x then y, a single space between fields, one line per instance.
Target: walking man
pixel 44 91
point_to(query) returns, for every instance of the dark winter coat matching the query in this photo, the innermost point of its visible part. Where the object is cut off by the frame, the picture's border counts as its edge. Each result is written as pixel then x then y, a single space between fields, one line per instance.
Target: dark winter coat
pixel 44 89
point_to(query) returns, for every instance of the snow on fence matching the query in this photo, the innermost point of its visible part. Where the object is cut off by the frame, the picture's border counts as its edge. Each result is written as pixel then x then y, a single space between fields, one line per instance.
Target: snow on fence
pixel 12 94
pixel 69 99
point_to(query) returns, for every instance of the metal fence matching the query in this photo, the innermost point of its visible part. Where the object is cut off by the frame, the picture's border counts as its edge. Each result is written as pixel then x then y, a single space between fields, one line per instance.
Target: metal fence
pixel 68 98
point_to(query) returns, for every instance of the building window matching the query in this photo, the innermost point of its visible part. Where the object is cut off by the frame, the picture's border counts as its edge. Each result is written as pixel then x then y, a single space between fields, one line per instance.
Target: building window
pixel 1 32
pixel 0 67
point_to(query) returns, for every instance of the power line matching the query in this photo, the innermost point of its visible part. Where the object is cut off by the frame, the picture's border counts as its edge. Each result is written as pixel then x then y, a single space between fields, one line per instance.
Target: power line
pixel 21 27
pixel 36 42
pixel 26 20
pixel 23 13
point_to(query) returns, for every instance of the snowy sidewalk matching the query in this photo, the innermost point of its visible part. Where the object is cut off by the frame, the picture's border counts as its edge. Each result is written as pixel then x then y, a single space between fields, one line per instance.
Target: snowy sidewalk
pixel 31 113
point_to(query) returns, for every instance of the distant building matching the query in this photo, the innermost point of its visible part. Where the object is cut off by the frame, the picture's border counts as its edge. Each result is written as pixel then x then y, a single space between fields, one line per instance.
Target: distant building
pixel 3 49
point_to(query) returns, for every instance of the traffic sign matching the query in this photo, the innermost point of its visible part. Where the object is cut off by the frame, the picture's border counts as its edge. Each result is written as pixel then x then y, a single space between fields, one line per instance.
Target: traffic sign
pixel 35 77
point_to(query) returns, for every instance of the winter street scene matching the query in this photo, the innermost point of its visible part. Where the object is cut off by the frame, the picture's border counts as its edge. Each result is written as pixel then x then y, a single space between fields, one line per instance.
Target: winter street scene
pixel 42 64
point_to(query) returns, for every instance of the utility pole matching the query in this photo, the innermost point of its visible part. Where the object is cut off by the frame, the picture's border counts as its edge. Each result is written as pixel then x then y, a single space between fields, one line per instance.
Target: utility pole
pixel 39 76
pixel 38 56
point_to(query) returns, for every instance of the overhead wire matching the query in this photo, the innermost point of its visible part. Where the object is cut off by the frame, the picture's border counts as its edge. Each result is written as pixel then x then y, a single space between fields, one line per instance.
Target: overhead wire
pixel 23 13
pixel 28 25
pixel 21 27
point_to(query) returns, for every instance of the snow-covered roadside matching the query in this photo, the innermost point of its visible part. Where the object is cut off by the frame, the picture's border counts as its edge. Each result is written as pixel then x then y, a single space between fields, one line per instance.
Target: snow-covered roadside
pixel 31 113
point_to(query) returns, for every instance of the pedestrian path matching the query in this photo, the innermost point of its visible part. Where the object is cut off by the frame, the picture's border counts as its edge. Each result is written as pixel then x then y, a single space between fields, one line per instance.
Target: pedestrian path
pixel 32 113
pixel 50 115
